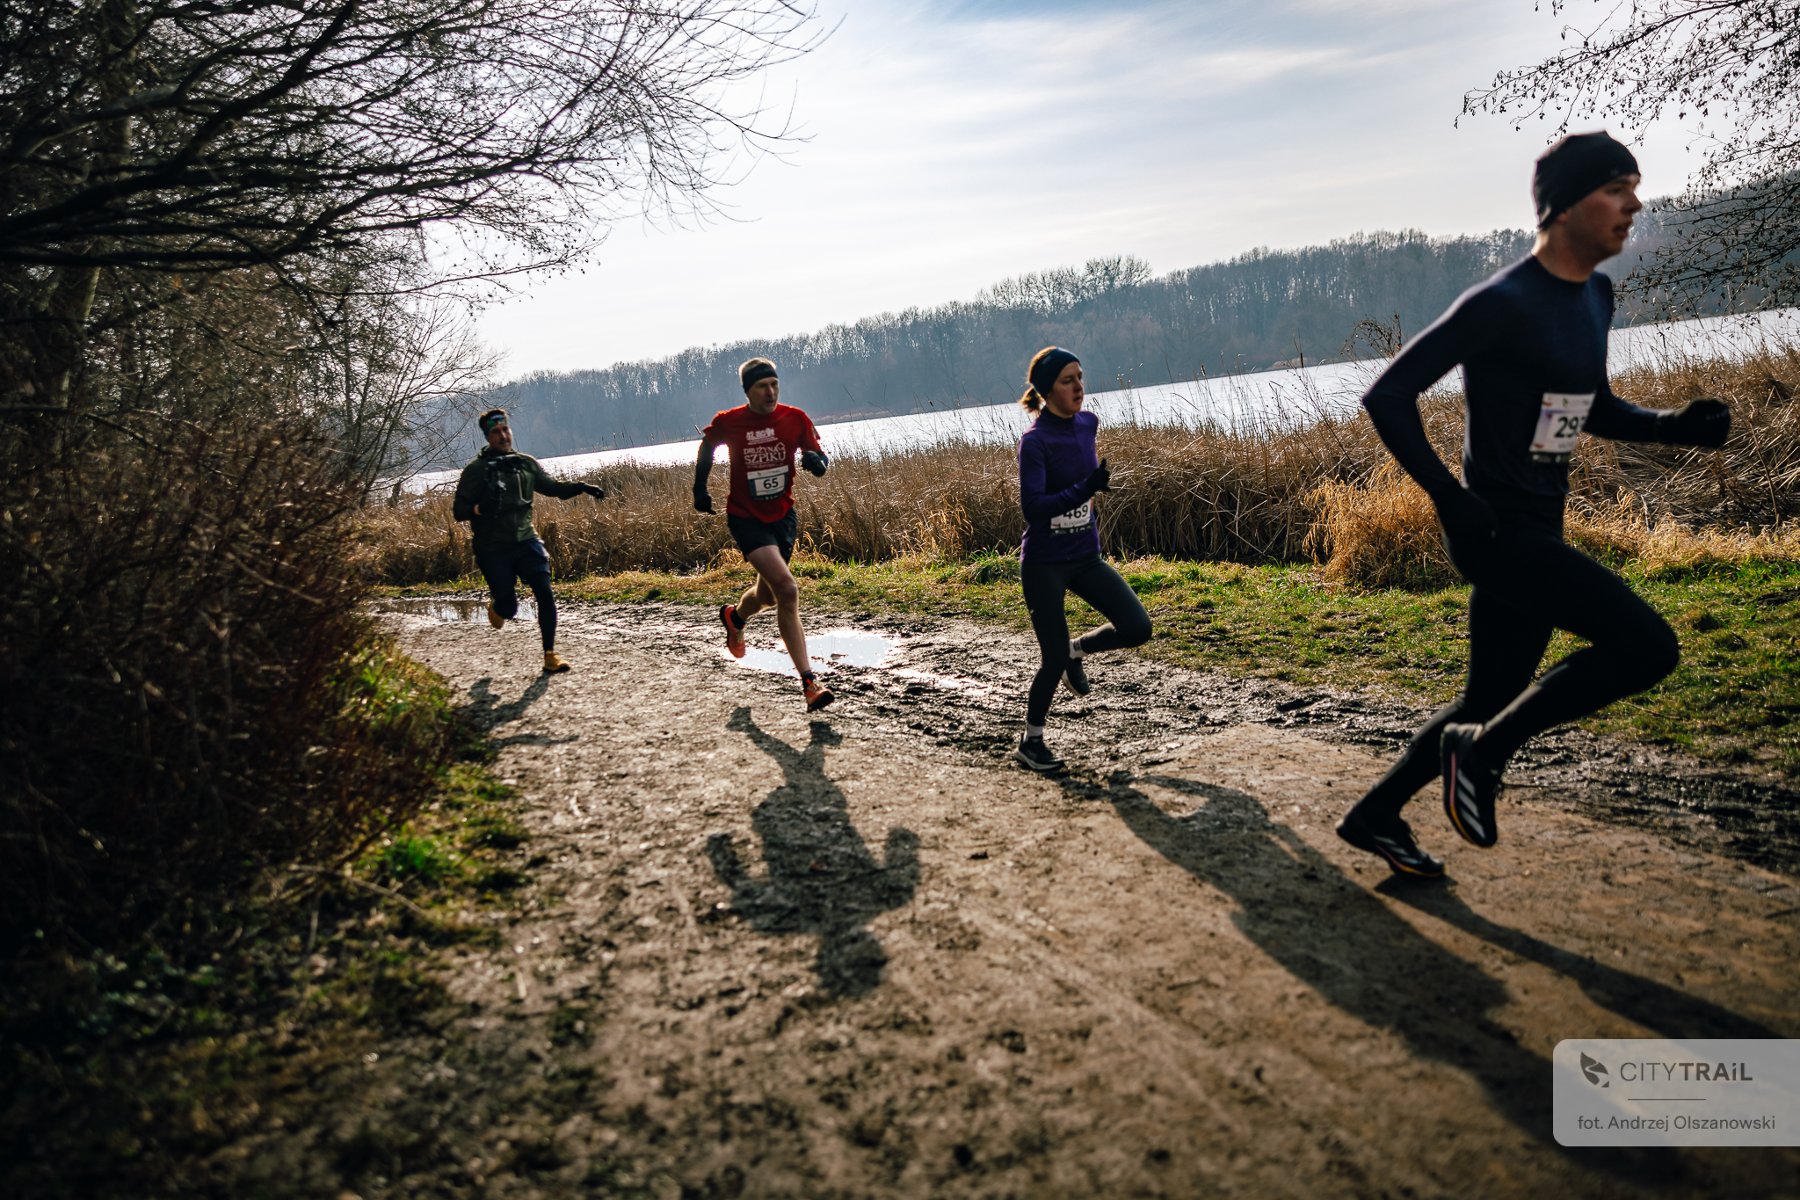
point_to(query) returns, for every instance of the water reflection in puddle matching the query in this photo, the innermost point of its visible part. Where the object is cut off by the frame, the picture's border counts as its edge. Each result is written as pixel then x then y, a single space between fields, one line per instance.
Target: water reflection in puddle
pixel 832 648
pixel 441 608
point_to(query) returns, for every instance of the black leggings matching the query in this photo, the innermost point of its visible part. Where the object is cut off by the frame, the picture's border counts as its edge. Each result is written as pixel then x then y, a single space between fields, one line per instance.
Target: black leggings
pixel 1045 585
pixel 503 566
pixel 1528 583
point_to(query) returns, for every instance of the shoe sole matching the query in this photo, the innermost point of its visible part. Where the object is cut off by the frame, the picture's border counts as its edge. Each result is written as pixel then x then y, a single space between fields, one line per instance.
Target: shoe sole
pixel 816 704
pixel 1371 846
pixel 1034 765
pixel 1457 748
pixel 562 670
pixel 734 638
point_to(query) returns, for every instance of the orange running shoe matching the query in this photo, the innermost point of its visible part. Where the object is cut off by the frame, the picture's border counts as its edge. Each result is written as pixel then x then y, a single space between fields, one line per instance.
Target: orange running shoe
pixel 734 632
pixel 817 694
pixel 553 663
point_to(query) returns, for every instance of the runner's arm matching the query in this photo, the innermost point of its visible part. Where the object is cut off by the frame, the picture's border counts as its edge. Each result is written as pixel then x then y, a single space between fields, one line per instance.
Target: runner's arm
pixel 703 463
pixel 1392 400
pixel 1704 422
pixel 468 486
pixel 542 481
pixel 1033 500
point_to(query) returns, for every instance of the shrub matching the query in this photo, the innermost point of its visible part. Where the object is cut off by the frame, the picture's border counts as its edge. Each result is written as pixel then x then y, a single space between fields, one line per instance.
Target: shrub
pixel 192 690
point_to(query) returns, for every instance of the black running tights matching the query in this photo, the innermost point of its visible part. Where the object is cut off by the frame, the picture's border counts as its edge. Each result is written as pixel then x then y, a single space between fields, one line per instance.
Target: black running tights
pixel 1046 585
pixel 1529 583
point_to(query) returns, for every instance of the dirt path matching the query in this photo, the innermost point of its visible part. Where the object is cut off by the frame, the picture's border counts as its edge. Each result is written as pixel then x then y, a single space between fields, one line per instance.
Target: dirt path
pixel 764 955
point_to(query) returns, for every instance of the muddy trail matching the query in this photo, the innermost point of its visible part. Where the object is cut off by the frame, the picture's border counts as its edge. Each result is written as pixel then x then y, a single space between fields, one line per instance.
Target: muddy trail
pixel 860 954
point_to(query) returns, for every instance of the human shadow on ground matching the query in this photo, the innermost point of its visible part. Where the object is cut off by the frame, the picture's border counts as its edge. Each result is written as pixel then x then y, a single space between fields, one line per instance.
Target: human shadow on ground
pixel 1664 1011
pixel 1357 954
pixel 821 878
pixel 486 712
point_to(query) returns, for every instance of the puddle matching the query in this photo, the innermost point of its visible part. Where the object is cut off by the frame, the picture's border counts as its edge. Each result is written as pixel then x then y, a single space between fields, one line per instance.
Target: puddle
pixel 949 683
pixel 855 648
pixel 438 608
pixel 832 648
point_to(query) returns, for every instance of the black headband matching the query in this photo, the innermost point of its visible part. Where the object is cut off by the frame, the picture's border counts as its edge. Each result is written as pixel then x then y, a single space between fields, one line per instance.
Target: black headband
pixel 755 373
pixel 1046 367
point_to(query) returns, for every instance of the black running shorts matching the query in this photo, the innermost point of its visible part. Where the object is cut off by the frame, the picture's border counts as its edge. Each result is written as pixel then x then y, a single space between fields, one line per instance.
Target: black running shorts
pixel 751 534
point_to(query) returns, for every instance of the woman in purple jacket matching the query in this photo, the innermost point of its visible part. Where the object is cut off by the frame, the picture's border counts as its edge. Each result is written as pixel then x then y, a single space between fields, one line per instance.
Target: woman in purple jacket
pixel 1059 474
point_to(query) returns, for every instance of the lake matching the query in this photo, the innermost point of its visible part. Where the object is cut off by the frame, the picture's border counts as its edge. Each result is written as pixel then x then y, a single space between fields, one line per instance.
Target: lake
pixel 1261 400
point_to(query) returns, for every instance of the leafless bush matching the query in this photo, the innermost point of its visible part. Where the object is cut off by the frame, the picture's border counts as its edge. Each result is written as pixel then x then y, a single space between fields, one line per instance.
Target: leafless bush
pixel 183 664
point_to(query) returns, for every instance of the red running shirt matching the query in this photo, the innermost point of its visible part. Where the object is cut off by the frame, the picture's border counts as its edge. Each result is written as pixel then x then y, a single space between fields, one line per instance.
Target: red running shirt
pixel 764 451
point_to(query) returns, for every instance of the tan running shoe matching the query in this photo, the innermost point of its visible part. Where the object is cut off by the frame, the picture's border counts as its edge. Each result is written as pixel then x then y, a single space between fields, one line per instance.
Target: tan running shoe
pixel 553 663
pixel 494 618
pixel 817 694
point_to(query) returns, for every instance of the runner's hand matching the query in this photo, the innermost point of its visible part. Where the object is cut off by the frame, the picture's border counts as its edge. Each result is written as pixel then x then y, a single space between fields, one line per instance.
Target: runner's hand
pixel 1100 479
pixel 814 461
pixel 702 500
pixel 1464 514
pixel 594 490
pixel 1697 423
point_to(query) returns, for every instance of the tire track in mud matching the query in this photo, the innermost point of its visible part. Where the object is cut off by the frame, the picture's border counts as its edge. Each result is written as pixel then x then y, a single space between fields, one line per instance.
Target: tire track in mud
pixel 863 955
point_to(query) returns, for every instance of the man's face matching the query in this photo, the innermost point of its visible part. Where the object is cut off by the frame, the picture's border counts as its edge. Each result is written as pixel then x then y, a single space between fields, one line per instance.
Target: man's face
pixel 1600 222
pixel 762 395
pixel 500 437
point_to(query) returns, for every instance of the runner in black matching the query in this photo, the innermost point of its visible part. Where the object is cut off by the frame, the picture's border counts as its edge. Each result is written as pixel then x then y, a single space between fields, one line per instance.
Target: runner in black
pixel 1059 475
pixel 494 495
pixel 1532 345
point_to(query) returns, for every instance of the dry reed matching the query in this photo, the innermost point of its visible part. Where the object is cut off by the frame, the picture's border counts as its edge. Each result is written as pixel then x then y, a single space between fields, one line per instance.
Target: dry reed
pixel 1321 490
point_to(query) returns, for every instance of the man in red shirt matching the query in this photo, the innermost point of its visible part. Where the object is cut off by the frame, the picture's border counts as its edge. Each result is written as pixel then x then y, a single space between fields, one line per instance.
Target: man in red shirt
pixel 764 438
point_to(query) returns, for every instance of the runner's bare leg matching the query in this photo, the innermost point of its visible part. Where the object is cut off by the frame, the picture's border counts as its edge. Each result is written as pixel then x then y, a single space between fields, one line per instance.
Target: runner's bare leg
pixel 775 585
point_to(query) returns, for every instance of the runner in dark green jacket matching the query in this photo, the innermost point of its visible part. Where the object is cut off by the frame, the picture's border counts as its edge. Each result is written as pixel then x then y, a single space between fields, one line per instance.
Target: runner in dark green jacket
pixel 494 495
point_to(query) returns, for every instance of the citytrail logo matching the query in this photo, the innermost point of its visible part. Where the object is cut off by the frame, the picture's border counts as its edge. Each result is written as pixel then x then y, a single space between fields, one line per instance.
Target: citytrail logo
pixel 1594 1071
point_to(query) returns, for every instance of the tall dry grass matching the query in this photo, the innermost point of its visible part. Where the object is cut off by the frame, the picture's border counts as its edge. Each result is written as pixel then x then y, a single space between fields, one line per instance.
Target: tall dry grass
pixel 1322 489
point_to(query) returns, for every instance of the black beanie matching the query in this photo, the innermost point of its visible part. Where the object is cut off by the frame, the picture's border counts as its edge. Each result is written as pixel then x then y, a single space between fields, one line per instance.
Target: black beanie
pixel 1046 365
pixel 1575 166
pixel 754 372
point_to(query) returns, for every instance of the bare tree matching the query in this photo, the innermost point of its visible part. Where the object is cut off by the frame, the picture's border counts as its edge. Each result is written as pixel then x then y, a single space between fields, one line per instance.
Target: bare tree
pixel 205 135
pixel 1729 67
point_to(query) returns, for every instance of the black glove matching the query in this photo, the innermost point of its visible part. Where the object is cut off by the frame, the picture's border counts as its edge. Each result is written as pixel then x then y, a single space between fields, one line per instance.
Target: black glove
pixel 1464 514
pixel 594 490
pixel 814 461
pixel 702 500
pixel 1696 423
pixel 1099 479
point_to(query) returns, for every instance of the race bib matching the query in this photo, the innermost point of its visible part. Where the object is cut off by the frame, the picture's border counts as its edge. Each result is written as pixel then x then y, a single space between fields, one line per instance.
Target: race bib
pixel 767 484
pixel 1075 518
pixel 1560 418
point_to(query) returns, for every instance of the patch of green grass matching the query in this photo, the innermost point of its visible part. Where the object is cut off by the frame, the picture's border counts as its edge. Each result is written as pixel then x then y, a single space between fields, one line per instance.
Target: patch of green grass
pixel 155 1056
pixel 406 857
pixel 1735 697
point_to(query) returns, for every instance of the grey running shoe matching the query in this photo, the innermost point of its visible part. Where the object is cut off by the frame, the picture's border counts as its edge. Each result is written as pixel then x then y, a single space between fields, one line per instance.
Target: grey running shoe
pixel 1034 754
pixel 1393 841
pixel 1469 787
pixel 1076 674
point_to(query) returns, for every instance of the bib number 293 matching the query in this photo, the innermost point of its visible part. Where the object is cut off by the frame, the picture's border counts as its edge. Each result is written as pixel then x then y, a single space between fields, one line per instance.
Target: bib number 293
pixel 1560 418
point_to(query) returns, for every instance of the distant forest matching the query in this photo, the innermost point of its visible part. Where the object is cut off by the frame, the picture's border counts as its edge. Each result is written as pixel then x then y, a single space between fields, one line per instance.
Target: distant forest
pixel 1262 309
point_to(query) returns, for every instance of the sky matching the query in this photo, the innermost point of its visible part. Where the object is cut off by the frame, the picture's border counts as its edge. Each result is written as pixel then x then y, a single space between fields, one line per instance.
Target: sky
pixel 949 145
